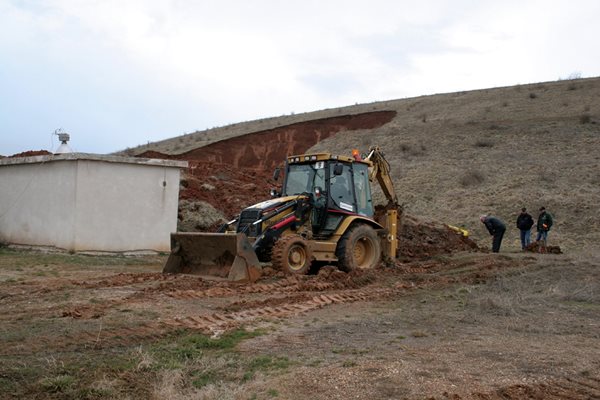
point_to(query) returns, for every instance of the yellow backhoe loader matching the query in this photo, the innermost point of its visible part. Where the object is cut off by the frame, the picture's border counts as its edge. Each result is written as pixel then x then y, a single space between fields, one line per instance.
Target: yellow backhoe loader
pixel 324 213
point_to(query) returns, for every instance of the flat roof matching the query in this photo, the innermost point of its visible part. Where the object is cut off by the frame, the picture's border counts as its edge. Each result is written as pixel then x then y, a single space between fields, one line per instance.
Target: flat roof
pixel 92 157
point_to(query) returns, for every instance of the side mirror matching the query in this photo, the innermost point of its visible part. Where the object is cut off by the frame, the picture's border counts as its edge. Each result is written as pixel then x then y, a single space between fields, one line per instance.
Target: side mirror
pixel 276 173
pixel 338 169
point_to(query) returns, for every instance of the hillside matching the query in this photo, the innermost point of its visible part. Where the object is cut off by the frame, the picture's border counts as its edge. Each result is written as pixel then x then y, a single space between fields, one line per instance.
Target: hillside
pixel 454 156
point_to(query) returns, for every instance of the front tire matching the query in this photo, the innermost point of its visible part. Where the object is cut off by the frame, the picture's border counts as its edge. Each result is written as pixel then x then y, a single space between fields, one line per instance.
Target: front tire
pixel 359 248
pixel 292 255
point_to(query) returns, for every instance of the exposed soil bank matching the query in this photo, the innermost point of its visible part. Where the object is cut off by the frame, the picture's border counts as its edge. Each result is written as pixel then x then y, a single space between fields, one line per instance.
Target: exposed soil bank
pixel 266 149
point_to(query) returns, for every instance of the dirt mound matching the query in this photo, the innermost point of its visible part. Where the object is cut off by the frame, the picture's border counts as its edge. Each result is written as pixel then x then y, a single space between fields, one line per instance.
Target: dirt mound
pixel 419 239
pixel 538 247
pixel 31 153
pixel 227 188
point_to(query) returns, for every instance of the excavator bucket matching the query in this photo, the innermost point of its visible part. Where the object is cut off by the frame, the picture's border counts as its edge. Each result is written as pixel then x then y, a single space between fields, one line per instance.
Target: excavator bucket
pixel 220 255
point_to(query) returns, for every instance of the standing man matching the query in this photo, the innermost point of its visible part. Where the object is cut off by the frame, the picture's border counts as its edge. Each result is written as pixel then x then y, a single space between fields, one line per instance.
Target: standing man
pixel 524 223
pixel 496 228
pixel 544 224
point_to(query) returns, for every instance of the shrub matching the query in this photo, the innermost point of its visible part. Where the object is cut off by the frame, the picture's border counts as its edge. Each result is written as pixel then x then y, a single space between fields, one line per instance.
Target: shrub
pixel 532 95
pixel 472 178
pixel 484 143
pixel 585 119
pixel 57 384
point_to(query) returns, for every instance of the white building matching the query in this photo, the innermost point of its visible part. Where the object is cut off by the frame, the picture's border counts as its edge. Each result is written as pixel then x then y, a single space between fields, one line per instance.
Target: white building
pixel 89 202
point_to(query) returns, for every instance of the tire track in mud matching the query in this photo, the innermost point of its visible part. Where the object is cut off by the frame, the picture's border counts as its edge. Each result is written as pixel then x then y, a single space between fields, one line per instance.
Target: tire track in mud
pixel 334 287
pixel 284 286
pixel 222 321
pixel 571 388
pixel 275 300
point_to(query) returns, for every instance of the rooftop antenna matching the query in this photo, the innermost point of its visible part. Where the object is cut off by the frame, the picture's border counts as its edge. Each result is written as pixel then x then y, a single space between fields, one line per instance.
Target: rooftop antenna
pixel 64 138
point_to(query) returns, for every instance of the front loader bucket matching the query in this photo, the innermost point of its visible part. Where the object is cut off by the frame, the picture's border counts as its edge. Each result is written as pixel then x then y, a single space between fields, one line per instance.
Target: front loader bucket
pixel 219 255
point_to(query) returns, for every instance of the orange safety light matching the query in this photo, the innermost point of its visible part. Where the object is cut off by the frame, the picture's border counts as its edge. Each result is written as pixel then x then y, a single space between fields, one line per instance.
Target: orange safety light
pixel 356 155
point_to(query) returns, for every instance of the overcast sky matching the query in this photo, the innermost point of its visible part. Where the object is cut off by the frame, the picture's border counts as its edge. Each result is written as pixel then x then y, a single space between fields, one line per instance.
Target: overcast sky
pixel 119 73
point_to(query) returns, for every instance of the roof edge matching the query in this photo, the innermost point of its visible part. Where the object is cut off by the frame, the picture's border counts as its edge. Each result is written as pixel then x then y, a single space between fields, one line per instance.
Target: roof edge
pixel 92 157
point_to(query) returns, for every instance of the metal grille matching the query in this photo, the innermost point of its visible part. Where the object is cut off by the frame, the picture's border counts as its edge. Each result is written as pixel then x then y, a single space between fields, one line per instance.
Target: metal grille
pixel 247 217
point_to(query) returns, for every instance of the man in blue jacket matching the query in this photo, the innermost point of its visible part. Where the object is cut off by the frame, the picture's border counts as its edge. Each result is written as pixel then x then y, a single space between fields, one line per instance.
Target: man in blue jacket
pixel 496 228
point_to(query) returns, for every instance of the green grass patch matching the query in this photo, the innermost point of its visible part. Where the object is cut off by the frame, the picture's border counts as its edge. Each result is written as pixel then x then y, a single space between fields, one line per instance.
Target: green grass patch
pixel 172 353
pixel 7 385
pixel 201 379
pixel 57 384
pixel 265 364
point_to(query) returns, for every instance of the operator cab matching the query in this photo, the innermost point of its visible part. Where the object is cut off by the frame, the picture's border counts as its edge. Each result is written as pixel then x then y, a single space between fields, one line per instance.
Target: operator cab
pixel 338 186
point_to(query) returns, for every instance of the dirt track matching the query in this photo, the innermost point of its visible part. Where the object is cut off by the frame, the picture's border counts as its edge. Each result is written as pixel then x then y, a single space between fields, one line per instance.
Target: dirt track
pixel 433 328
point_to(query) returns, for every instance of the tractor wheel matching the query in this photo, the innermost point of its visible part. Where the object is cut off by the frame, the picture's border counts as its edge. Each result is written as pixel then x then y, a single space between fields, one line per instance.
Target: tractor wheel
pixel 292 255
pixel 359 248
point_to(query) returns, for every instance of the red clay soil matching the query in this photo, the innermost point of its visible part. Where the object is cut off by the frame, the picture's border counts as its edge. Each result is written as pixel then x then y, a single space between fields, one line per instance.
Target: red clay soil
pixel 31 153
pixel 225 187
pixel 266 149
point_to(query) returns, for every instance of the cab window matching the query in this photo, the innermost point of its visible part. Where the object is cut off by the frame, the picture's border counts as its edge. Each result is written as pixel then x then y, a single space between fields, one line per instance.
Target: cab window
pixel 303 178
pixel 364 204
pixel 341 188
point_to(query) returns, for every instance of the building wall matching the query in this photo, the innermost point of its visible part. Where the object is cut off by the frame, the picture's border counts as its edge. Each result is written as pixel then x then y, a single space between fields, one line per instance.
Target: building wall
pixel 89 204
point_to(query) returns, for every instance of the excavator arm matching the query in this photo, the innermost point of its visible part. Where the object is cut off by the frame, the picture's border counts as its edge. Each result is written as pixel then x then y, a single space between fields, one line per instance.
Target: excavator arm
pixel 380 172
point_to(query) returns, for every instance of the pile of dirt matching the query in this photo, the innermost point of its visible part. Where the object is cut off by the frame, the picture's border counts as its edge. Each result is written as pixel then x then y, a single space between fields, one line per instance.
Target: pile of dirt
pixel 31 153
pixel 225 187
pixel 538 247
pixel 420 239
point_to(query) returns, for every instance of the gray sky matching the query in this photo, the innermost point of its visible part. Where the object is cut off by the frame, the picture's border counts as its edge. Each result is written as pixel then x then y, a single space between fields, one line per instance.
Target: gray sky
pixel 118 73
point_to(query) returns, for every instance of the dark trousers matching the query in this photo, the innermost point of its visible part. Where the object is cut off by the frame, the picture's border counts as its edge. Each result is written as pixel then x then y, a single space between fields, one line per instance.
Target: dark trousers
pixel 497 240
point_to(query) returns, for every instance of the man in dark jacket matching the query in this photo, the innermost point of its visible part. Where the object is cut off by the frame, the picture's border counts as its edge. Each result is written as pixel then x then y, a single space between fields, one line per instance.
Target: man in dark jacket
pixel 544 224
pixel 496 228
pixel 524 223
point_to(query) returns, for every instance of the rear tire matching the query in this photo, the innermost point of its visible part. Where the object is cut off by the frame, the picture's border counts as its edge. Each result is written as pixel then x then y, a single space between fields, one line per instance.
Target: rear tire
pixel 292 255
pixel 359 248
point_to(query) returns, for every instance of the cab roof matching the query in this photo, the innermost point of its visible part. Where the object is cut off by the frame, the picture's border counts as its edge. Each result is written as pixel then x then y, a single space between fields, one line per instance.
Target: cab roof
pixel 303 158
